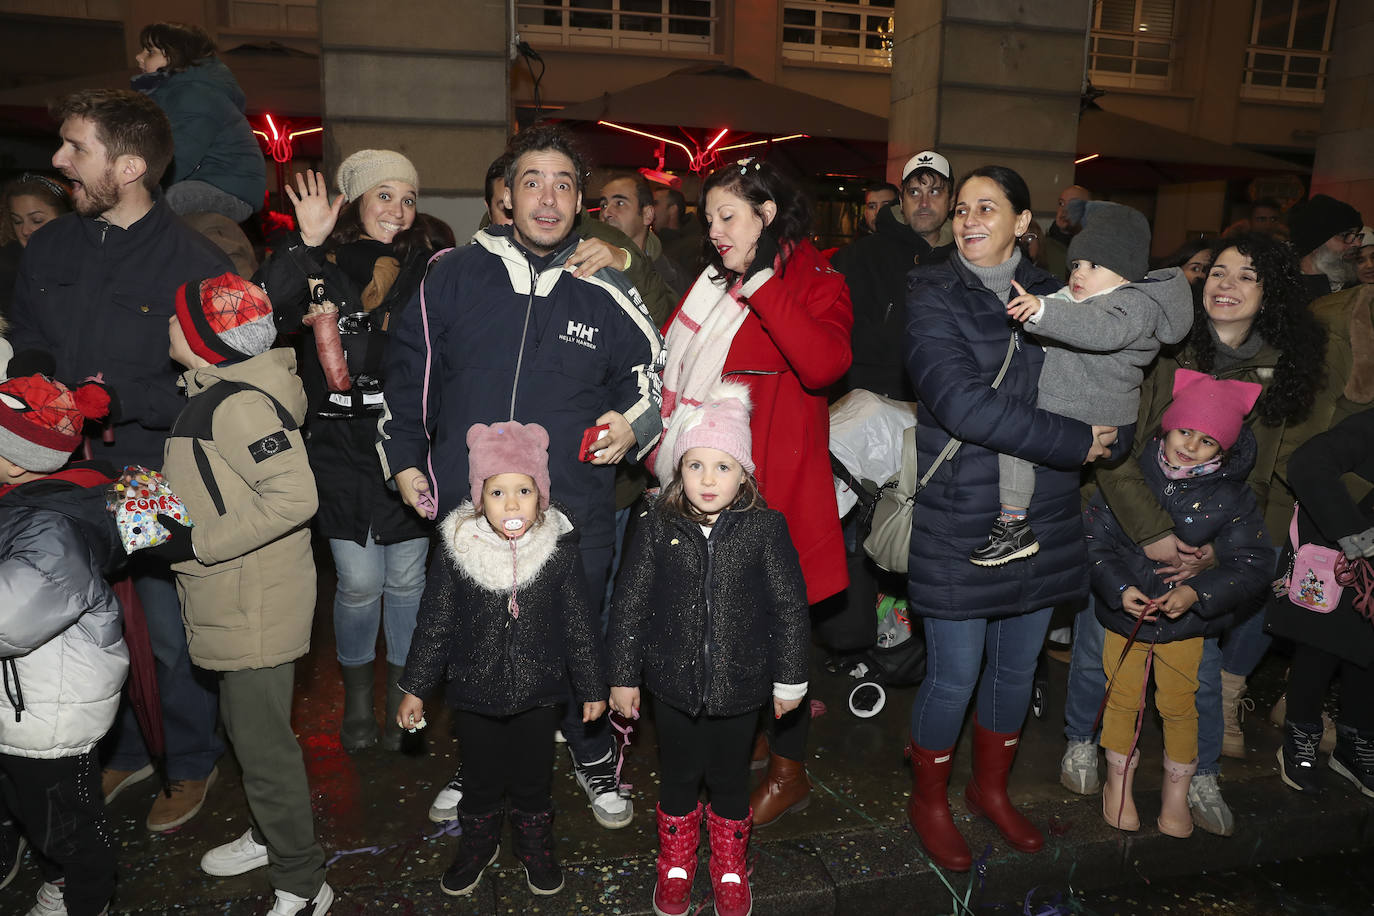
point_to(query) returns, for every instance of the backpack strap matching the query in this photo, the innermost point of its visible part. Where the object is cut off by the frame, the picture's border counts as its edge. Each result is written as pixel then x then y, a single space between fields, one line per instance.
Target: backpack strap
pixel 196 422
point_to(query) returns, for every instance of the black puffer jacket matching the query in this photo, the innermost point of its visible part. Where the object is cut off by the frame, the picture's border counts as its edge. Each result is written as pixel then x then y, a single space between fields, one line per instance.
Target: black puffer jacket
pixel 1218 509
pixel 498 663
pixel 709 624
pixel 354 496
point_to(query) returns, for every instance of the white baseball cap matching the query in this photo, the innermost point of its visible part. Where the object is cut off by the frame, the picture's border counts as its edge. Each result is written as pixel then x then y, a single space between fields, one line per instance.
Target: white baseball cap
pixel 927 160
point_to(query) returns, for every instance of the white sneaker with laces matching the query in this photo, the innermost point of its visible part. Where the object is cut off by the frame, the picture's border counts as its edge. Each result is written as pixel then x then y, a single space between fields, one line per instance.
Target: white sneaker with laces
pixel 1078 768
pixel 445 806
pixel 1210 811
pixel 49 901
pixel 288 904
pixel 235 858
pixel 610 807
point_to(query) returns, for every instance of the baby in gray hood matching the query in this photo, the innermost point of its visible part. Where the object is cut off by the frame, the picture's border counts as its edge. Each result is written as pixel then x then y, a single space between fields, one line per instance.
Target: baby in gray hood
pixel 1101 330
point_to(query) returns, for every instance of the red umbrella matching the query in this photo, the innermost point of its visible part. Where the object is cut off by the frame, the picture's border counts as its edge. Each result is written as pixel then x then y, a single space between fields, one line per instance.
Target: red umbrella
pixel 142 683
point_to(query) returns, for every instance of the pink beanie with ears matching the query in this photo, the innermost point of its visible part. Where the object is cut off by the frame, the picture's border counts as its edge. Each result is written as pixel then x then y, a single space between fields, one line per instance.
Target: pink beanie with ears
pixel 508 448
pixel 1215 407
pixel 720 422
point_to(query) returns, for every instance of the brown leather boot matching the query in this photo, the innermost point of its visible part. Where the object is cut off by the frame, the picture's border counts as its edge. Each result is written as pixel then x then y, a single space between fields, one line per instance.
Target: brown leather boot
pixel 785 788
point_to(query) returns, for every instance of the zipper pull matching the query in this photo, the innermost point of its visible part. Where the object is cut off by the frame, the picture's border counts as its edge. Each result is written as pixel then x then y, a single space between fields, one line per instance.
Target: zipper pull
pixel 1169 488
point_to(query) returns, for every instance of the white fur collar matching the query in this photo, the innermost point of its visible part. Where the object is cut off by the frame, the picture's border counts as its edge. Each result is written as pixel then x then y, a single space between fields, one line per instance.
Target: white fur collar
pixel 484 556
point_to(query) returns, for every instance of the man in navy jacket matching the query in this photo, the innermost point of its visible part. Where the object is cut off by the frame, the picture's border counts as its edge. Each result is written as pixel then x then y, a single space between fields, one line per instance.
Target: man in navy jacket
pixel 96 289
pixel 504 329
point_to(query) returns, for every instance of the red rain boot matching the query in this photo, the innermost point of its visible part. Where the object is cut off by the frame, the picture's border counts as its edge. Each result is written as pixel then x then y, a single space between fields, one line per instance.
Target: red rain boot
pixel 986 793
pixel 928 808
pixel 729 869
pixel 677 862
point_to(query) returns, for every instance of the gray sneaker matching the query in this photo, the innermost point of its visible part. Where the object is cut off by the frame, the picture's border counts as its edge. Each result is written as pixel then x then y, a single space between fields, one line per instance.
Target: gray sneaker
pixel 1078 768
pixel 610 803
pixel 1209 808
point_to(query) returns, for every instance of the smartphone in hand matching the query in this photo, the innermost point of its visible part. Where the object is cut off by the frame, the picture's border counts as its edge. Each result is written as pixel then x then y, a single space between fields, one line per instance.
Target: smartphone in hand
pixel 589 438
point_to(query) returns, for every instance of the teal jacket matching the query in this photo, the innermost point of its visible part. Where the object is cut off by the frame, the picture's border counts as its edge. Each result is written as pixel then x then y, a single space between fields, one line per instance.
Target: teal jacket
pixel 214 141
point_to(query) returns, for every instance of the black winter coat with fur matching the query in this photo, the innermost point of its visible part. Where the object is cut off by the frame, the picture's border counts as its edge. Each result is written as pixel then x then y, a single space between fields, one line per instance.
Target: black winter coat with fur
pixel 709 624
pixel 496 662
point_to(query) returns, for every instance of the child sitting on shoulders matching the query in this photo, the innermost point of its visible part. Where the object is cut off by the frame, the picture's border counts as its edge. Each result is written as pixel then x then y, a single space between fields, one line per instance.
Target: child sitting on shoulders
pixel 506 618
pixel 1196 469
pixel 709 614
pixel 1105 327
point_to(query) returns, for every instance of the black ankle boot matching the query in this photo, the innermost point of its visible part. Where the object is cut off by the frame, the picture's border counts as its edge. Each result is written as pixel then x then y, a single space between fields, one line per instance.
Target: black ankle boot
pixel 359 728
pixel 1011 539
pixel 1298 756
pixel 534 848
pixel 1353 757
pixel 392 733
pixel 478 847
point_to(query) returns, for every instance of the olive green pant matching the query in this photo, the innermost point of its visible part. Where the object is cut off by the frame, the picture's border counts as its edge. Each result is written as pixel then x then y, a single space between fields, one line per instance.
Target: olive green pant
pixel 255 705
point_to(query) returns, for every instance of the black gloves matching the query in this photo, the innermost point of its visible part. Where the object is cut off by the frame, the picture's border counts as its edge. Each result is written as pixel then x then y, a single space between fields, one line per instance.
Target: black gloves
pixel 176 549
pixel 765 253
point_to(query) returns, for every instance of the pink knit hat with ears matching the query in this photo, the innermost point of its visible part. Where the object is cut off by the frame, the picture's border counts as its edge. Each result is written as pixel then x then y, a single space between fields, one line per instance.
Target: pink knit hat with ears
pixel 721 422
pixel 508 448
pixel 1215 407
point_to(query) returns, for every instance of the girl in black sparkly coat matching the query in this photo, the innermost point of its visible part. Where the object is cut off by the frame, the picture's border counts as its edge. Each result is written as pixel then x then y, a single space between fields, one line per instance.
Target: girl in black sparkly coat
pixel 710 615
pixel 505 619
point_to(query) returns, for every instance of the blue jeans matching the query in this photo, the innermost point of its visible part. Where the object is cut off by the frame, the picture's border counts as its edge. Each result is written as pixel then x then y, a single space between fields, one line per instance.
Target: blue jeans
pixel 955 650
pixel 1087 681
pixel 590 741
pixel 367 575
pixel 190 700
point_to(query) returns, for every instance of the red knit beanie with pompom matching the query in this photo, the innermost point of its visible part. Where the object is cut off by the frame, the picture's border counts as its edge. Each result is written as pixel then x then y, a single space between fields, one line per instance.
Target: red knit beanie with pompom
pixel 41 420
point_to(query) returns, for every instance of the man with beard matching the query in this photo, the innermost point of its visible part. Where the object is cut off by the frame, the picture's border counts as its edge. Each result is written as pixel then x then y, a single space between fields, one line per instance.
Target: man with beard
pixel 1056 244
pixel 875 267
pixel 506 331
pixel 1325 233
pixel 96 289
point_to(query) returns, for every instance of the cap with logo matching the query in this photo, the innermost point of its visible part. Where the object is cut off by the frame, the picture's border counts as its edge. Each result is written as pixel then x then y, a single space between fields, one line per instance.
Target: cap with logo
pixel 927 160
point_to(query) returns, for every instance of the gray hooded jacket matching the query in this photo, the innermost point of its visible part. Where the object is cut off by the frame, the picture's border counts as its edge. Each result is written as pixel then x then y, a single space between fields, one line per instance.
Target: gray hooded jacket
pixel 1101 346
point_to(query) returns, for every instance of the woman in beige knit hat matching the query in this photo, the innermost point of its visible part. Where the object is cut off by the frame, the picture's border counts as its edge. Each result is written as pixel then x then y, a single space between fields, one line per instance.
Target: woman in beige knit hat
pixel 369 246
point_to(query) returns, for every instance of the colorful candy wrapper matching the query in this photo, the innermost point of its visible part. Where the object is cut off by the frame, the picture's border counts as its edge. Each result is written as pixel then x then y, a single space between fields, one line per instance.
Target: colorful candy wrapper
pixel 137 499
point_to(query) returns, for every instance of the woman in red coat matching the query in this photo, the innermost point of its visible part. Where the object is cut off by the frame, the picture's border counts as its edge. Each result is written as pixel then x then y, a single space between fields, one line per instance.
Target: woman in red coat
pixel 769 311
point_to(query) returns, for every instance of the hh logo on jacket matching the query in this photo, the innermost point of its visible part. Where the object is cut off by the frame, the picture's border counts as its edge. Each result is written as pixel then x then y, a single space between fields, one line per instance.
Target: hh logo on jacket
pixel 581 334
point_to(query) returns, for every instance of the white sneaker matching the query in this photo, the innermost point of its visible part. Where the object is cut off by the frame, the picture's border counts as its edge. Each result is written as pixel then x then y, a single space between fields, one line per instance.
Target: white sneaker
pixel 558 737
pixel 1078 768
pixel 235 858
pixel 1210 811
pixel 611 808
pixel 49 902
pixel 288 904
pixel 445 807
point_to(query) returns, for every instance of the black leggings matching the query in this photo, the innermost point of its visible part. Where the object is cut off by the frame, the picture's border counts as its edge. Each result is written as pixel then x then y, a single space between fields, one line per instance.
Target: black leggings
pixel 1311 674
pixel 58 803
pixel 510 756
pixel 713 749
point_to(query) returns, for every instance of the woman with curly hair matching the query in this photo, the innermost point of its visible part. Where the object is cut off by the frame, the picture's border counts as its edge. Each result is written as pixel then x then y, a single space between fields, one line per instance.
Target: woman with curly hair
pixel 1251 324
pixel 770 312
pixel 218 165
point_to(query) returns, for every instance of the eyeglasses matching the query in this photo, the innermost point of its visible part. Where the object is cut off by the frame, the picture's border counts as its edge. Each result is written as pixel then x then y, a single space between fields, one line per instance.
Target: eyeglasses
pixel 1352 235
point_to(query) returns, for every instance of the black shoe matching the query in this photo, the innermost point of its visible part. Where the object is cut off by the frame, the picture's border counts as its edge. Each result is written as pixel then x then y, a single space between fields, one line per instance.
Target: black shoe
pixel 1011 539
pixel 12 845
pixel 1298 756
pixel 534 848
pixel 478 847
pixel 1353 758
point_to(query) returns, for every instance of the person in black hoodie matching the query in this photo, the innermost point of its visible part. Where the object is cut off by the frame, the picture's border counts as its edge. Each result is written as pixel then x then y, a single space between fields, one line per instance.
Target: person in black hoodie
pixel 369 248
pixel 875 267
pixel 508 622
pixel 1196 469
pixel 61 641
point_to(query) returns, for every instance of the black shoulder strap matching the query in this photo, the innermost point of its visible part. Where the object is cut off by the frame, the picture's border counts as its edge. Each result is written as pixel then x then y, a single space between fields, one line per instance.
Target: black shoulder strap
pixel 196 422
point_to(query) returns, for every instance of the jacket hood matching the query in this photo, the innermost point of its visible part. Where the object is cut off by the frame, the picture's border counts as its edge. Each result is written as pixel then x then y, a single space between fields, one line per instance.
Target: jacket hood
pixel 274 372
pixel 500 240
pixel 210 72
pixel 1172 292
pixel 485 557
pixel 78 491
